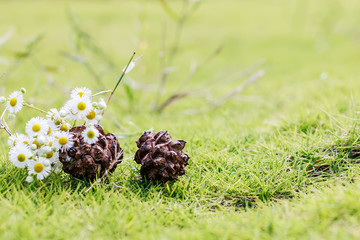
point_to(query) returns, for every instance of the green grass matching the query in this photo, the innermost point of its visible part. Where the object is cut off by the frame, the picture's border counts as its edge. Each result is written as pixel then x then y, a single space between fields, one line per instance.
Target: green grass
pixel 275 162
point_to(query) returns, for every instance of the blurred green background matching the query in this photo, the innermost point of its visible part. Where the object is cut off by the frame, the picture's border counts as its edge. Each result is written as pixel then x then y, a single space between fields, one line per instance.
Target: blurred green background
pixel 248 148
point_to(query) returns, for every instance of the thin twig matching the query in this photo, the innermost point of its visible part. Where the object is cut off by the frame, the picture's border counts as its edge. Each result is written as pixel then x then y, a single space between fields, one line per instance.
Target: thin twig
pixel 114 185
pixel 172 99
pixel 6 128
pixel 3 124
pixel 221 100
pixel 106 172
pixel 253 78
pixel 102 92
pixel 3 114
pixel 193 70
pixel 168 10
pixel 173 50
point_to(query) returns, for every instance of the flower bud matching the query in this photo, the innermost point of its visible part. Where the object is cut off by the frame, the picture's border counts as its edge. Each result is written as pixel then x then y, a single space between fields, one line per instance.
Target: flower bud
pixel 128 68
pixel 33 147
pixel 23 90
pixel 47 149
pixel 62 113
pixel 29 179
pixel 102 105
pixel 2 99
pixel 95 104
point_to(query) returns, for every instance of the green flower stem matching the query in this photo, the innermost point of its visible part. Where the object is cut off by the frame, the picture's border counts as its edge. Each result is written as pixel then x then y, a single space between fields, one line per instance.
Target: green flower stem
pixel 33 107
pixel 122 75
pixel 118 82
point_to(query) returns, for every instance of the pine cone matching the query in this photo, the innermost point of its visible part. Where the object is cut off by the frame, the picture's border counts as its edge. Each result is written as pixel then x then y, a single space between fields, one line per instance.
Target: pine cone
pixel 160 157
pixel 88 161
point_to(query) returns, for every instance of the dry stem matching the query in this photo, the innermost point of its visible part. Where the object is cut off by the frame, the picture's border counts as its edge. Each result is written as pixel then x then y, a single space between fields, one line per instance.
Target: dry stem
pixel 106 172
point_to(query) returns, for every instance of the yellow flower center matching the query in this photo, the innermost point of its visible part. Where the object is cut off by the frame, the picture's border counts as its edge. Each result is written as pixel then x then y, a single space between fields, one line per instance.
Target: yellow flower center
pixel 64 127
pixel 36 127
pixel 58 122
pixel 81 106
pixel 38 167
pixel 37 143
pixel 63 141
pixel 81 94
pixel 49 131
pixel 90 134
pixel 13 102
pixel 21 157
pixel 91 115
pixel 49 155
pixel 50 144
pixel 52 116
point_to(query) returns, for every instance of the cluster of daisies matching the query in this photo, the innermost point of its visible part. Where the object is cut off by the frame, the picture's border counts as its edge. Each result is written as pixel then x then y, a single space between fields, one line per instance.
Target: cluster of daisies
pixel 38 149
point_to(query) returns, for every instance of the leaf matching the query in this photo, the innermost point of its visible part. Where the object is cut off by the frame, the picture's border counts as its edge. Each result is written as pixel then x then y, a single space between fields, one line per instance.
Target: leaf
pixel 129 92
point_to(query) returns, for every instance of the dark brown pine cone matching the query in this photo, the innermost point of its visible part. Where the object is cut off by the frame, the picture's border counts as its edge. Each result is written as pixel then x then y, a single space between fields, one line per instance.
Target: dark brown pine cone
pixel 88 161
pixel 160 157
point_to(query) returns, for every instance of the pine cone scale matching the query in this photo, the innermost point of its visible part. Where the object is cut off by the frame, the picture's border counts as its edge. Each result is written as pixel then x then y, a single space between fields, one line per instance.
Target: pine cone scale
pixel 89 161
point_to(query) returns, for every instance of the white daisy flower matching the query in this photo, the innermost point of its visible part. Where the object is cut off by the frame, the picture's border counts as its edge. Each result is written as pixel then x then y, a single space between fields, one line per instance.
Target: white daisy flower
pixel 18 137
pixel 54 116
pixel 20 154
pixel 51 140
pixel 46 149
pixel 15 102
pixel 93 117
pixel 63 112
pixel 49 154
pixel 63 140
pixel 37 126
pixel 47 163
pixel 65 127
pixel 81 92
pixel 52 127
pixel 90 135
pixel 78 108
pixel 39 168
pixel 39 141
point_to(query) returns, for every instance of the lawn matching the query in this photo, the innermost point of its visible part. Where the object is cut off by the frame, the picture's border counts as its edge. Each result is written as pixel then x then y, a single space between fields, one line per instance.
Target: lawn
pixel 278 160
